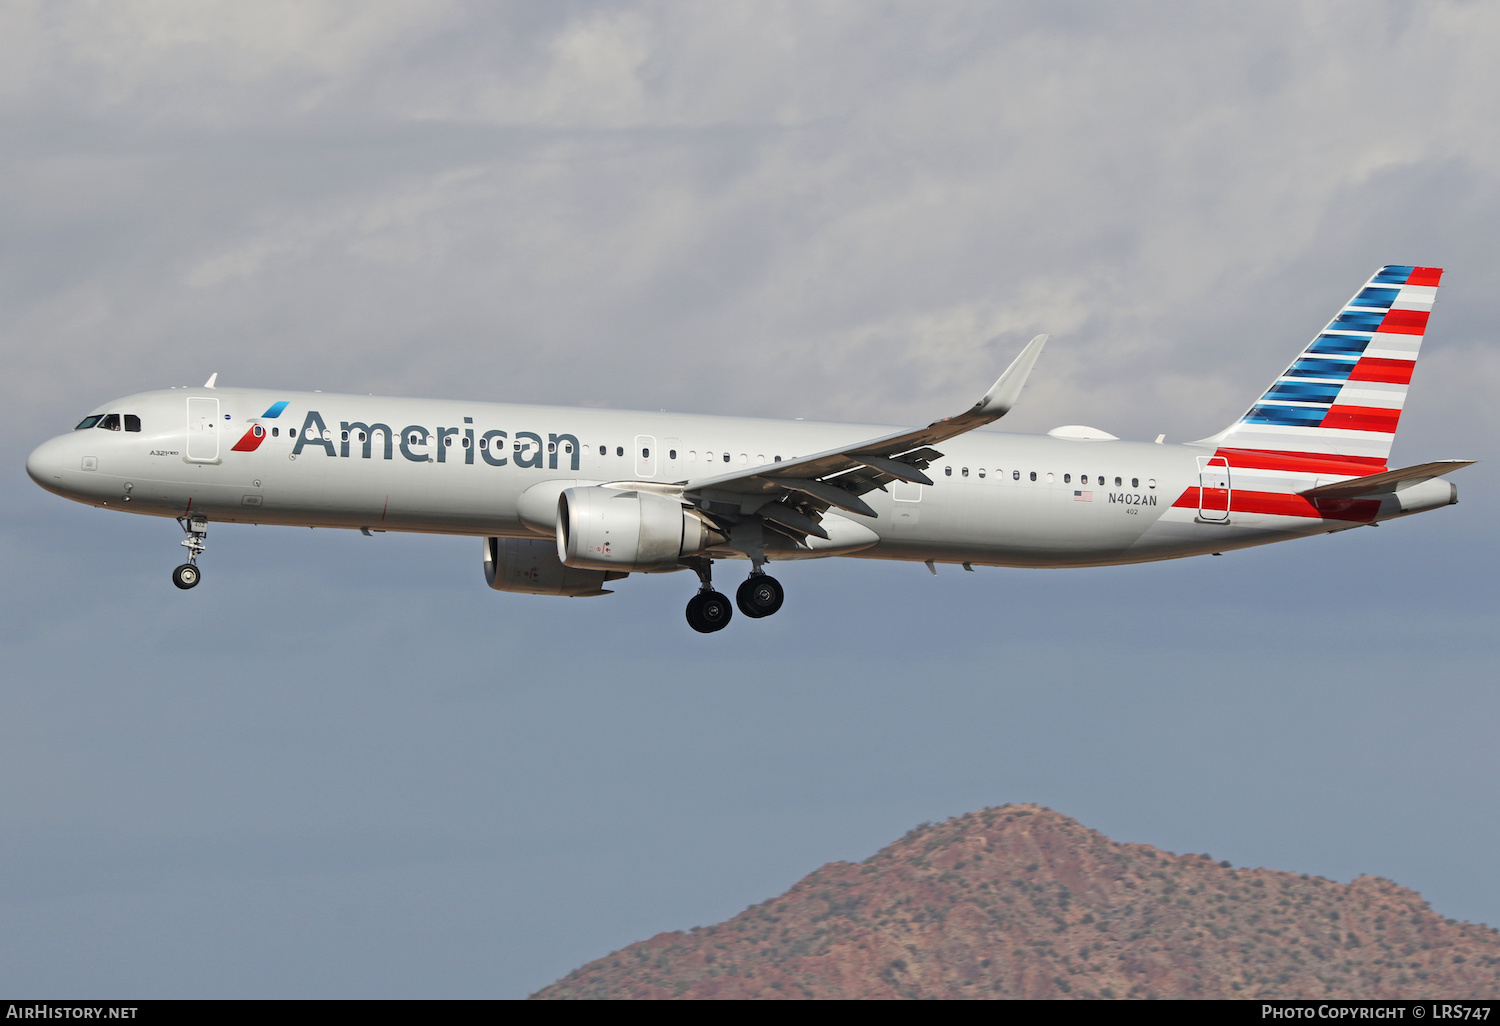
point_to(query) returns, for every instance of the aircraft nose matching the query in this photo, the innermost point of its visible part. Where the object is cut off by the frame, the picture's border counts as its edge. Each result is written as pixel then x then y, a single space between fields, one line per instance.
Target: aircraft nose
pixel 46 463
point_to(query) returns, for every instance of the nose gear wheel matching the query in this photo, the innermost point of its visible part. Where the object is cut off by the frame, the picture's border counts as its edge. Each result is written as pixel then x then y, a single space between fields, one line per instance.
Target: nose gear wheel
pixel 196 528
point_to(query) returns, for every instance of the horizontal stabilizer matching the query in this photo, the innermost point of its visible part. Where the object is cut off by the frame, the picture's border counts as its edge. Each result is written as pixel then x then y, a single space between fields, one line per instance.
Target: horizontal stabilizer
pixel 1388 481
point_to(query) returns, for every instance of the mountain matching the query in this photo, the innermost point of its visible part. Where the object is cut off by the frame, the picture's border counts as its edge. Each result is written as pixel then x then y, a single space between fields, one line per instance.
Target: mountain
pixel 1022 902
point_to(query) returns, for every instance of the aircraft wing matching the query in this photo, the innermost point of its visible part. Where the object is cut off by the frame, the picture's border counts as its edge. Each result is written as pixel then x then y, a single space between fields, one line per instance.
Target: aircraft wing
pixel 791 496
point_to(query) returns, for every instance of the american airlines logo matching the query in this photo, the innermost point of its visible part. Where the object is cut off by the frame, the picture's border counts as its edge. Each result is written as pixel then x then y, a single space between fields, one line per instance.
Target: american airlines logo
pixel 251 439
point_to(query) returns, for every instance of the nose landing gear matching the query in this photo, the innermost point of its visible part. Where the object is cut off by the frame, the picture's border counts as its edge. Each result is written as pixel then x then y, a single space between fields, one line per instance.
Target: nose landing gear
pixel 187 575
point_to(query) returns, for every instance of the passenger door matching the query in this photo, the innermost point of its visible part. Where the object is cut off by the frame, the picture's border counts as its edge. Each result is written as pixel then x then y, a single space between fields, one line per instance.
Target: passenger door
pixel 1213 489
pixel 203 430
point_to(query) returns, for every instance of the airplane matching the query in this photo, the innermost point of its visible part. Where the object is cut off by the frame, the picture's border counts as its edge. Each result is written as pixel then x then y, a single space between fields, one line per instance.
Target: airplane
pixel 569 500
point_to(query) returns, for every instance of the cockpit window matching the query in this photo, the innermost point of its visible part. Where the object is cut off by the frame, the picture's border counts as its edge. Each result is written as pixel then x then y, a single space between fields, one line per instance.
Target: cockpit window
pixel 111 422
pixel 88 422
pixel 132 422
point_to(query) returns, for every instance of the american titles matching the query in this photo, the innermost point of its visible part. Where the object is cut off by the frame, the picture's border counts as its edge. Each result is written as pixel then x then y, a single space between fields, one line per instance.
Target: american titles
pixel 420 445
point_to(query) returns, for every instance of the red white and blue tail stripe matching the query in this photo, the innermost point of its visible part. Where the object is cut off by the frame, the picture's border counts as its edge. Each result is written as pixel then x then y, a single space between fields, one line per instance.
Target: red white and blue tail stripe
pixel 1342 397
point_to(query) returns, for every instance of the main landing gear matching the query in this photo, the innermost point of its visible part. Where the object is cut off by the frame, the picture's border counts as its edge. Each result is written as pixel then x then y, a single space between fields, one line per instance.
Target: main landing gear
pixel 709 610
pixel 187 575
pixel 760 595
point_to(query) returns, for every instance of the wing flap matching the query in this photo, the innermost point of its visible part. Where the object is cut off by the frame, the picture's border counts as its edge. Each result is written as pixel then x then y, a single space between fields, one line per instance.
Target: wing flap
pixel 795 522
pixel 898 469
pixel 831 494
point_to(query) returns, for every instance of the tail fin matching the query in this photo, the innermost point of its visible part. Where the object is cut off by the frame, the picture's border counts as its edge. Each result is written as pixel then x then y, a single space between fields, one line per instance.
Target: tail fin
pixel 1342 397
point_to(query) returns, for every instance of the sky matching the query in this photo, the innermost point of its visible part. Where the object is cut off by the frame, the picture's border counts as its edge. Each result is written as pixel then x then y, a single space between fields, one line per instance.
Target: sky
pixel 343 767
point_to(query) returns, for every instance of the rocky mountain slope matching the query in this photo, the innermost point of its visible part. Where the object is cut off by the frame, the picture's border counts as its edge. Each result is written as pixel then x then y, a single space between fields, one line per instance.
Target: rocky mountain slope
pixel 1020 901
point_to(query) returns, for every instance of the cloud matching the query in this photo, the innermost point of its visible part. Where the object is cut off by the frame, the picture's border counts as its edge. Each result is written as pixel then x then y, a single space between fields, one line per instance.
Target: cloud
pixel 308 191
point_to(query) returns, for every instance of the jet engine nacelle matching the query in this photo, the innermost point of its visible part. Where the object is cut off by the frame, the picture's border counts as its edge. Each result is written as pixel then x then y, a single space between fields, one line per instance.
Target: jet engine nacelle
pixel 530 565
pixel 615 529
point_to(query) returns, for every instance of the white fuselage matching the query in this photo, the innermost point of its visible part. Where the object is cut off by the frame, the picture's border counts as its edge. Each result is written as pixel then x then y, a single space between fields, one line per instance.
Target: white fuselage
pixel 456 467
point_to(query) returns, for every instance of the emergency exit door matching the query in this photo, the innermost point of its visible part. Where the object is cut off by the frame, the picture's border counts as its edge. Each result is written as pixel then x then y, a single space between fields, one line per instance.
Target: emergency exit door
pixel 645 456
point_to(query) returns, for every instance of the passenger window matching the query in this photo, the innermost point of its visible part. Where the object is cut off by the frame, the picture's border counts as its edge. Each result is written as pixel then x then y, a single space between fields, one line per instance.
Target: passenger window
pixel 1135 482
pixel 88 422
pixel 1067 479
pixel 671 454
pixel 948 471
pixel 692 455
pixel 1033 475
pixel 568 448
pixel 1151 483
pixel 484 443
pixel 276 432
pixel 111 422
pixel 466 442
pixel 726 457
pixel 1050 478
pixel 292 433
pixel 1101 479
pixel 645 454
pixel 619 450
pixel 361 436
pixel 1015 475
pixel 132 422
pixel 1117 482
pixel 344 436
pixel 778 459
pixel 965 472
pixel 981 473
pixel 551 446
pixel 603 450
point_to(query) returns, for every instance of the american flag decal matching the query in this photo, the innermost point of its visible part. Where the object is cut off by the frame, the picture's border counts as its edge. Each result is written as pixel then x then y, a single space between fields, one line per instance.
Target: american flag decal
pixel 1083 496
